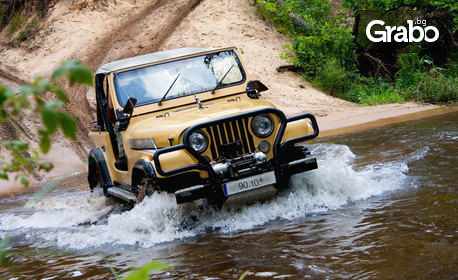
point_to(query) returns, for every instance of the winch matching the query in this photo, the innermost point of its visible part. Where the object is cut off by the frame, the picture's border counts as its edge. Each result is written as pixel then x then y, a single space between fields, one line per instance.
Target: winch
pixel 241 166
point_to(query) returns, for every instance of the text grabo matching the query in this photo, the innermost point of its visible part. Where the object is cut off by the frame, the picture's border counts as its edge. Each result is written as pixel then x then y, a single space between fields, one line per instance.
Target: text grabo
pixel 401 33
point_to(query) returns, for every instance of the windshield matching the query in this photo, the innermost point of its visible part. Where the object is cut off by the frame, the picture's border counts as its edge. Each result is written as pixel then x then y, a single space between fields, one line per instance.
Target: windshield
pixel 196 74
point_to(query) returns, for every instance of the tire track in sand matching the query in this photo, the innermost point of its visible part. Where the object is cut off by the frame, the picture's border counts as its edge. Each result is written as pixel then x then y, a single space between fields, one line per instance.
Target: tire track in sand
pixel 144 32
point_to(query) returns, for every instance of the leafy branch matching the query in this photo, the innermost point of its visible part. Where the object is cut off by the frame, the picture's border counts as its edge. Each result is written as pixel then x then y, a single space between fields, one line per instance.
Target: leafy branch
pixel 42 98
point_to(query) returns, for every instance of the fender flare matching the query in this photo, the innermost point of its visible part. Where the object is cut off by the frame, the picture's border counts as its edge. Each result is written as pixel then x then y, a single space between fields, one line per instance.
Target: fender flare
pixel 142 169
pixel 98 170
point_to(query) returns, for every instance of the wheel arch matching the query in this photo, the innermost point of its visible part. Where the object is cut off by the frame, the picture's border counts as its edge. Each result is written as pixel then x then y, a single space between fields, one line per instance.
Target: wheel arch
pixel 142 169
pixel 98 170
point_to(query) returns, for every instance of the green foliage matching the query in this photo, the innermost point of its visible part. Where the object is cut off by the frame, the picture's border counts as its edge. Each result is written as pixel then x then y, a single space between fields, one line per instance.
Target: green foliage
pixel 332 78
pixel 426 6
pixel 75 71
pixel 16 22
pixel 13 103
pixel 144 271
pixel 31 97
pixel 4 250
pixel 21 161
pixel 436 88
pixel 242 277
pixel 317 37
pixel 370 91
pixel 325 49
pixel 421 80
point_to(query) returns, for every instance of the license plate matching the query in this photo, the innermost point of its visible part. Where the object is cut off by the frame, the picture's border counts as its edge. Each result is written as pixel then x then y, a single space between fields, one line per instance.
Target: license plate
pixel 249 183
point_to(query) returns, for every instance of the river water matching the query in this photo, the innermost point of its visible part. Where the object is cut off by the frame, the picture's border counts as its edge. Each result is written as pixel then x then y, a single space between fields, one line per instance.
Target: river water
pixel 383 204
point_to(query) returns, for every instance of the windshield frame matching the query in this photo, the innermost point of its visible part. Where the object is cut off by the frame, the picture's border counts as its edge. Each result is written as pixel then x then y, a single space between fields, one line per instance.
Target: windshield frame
pixel 234 53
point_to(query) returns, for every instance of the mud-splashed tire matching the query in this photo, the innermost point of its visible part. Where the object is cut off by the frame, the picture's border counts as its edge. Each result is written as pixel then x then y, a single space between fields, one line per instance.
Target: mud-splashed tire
pixel 142 189
pixel 287 155
pixel 216 203
pixel 216 200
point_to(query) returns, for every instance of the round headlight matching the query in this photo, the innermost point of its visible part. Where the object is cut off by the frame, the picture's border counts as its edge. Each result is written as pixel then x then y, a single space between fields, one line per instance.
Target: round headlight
pixel 198 141
pixel 262 125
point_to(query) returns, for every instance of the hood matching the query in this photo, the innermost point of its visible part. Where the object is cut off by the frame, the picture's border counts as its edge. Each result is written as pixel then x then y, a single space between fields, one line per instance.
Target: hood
pixel 172 123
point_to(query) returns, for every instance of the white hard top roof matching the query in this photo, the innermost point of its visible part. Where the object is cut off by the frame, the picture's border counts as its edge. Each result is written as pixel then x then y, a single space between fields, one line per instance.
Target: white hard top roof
pixel 150 58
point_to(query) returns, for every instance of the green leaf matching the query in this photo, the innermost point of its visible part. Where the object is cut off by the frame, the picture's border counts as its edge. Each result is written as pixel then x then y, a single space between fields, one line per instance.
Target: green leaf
pixel 3 176
pixel 75 72
pixel 69 125
pixel 30 90
pixel 24 181
pixel 7 144
pixel 116 275
pixel 143 272
pixel 50 115
pixel 61 94
pixel 42 83
pixel 5 93
pixel 45 144
pixel 244 275
pixel 43 132
pixel 46 166
pixel 50 120
pixel 20 146
pixel 58 72
pixel 4 250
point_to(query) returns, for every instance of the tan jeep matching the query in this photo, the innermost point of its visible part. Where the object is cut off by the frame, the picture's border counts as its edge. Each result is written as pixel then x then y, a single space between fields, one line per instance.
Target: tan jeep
pixel 190 122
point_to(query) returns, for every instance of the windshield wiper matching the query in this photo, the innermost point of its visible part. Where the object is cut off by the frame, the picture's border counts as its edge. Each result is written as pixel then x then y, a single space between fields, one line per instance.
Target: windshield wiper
pixel 198 101
pixel 165 95
pixel 221 81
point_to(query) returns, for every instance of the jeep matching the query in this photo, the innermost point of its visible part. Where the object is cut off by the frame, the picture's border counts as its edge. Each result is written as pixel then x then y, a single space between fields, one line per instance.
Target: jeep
pixel 189 121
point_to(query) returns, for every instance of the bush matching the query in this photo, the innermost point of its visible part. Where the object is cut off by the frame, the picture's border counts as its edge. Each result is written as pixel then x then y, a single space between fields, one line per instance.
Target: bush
pixel 422 81
pixel 332 78
pixel 16 22
pixel 368 91
pixel 436 88
pixel 326 50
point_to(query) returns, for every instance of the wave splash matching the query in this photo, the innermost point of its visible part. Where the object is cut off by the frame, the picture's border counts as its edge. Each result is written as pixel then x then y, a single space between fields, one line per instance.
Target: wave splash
pixel 93 220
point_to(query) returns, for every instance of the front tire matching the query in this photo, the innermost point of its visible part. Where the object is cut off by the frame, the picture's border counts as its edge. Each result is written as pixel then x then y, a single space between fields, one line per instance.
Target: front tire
pixel 289 154
pixel 142 188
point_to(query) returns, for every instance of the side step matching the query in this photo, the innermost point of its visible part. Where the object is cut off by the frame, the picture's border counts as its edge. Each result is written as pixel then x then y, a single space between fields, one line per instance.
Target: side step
pixel 122 194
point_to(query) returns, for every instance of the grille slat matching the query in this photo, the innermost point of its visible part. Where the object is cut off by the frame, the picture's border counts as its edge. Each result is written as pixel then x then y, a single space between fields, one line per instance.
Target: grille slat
pixel 246 148
pixel 229 132
pixel 235 131
pixel 212 140
pixel 216 136
pixel 250 138
pixel 222 133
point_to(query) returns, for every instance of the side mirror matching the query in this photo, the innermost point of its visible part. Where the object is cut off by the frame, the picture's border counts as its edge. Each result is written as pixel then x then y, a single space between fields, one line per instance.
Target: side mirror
pixel 130 105
pixel 257 85
pixel 125 115
pixel 254 89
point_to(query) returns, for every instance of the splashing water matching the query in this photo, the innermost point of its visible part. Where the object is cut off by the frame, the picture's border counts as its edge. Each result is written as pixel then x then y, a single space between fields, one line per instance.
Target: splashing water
pixel 83 221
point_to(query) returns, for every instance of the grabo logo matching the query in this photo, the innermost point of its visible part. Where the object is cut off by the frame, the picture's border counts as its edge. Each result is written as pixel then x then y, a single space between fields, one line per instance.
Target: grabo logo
pixel 401 33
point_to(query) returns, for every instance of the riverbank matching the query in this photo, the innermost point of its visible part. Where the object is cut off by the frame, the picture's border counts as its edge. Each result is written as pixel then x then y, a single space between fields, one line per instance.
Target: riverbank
pixel 371 117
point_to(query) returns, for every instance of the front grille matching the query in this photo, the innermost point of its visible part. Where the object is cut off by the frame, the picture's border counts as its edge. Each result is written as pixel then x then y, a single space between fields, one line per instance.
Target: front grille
pixel 228 132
